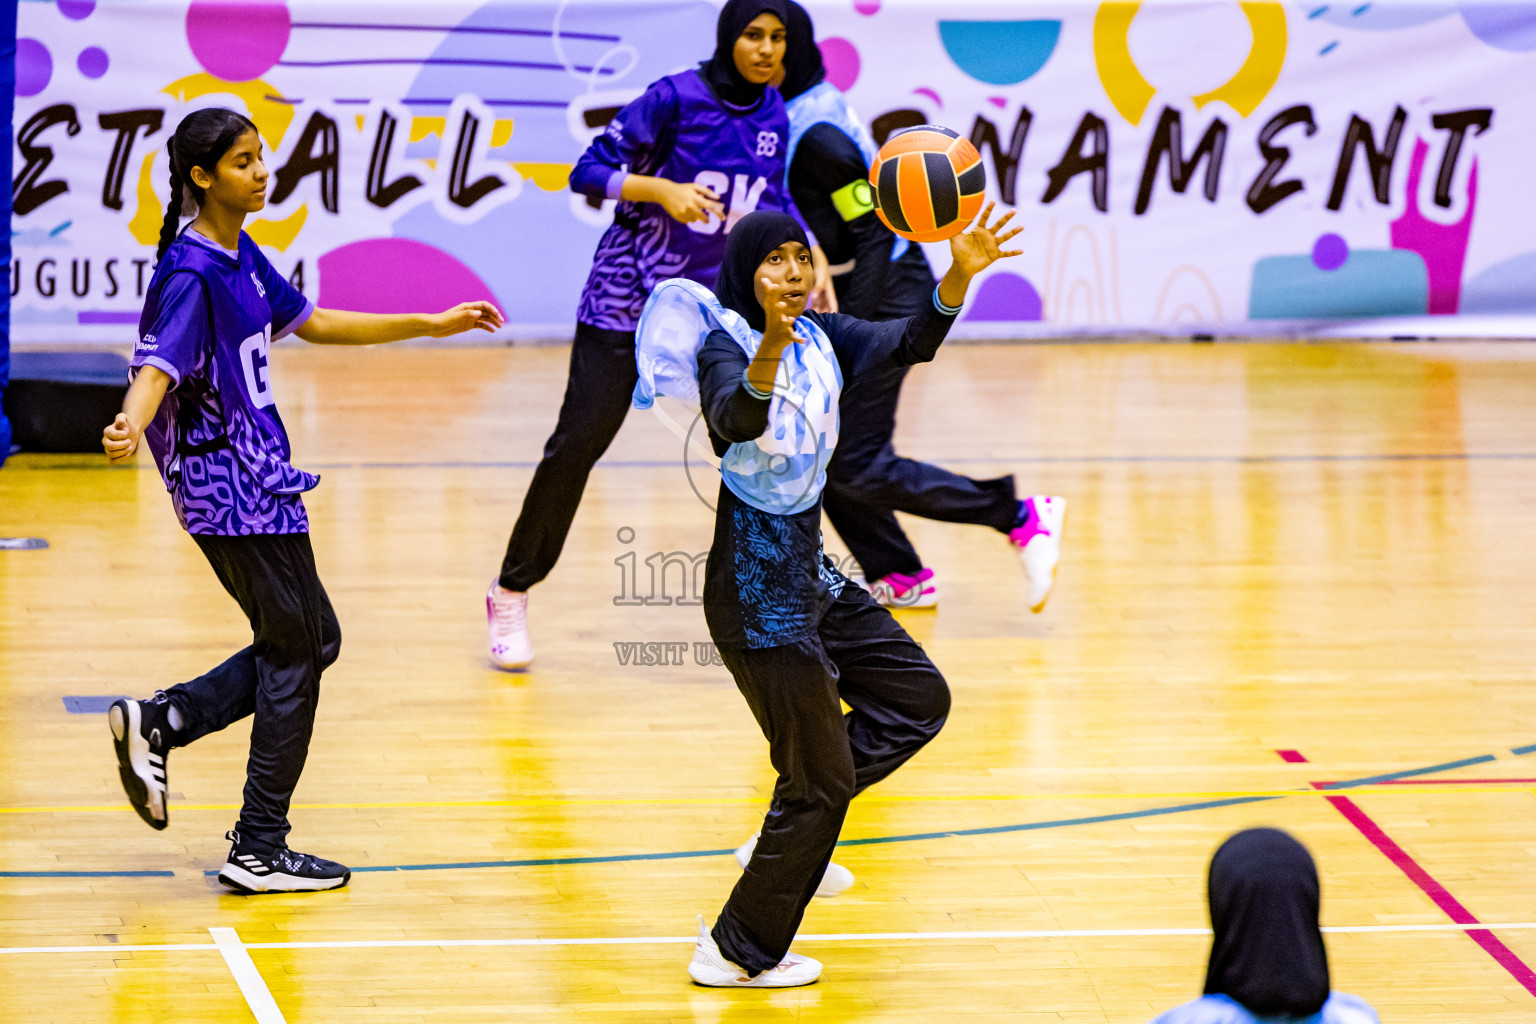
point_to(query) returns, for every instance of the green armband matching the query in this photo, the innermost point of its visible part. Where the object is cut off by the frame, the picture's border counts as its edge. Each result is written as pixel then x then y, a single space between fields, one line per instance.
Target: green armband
pixel 854 200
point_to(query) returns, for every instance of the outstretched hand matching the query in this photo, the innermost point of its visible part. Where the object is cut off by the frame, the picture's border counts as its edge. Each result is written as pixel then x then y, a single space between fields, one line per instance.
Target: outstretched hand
pixel 466 316
pixel 981 246
pixel 783 303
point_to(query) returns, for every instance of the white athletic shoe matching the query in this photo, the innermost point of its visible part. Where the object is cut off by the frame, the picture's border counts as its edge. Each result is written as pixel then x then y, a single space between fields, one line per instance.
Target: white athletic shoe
pixel 710 967
pixel 835 880
pixel 506 613
pixel 1038 538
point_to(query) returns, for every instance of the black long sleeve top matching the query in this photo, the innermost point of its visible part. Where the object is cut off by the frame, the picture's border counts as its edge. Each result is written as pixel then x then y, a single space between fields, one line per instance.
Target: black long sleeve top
pixel 766 583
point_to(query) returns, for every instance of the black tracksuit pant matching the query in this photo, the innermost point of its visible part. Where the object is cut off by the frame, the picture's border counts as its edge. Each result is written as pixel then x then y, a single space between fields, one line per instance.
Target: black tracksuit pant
pixel 597 397
pixel 824 758
pixel 868 483
pixel 276 679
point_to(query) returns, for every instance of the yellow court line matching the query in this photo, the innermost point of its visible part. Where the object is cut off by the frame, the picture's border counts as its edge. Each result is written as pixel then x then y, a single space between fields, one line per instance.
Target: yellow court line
pixel 718 801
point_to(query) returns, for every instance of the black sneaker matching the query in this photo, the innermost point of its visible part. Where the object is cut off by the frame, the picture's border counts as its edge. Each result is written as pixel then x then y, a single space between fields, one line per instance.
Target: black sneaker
pixel 141 733
pixel 252 868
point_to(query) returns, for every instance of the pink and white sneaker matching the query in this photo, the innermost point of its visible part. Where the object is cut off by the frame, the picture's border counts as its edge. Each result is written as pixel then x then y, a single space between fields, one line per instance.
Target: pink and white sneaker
pixel 898 590
pixel 506 613
pixel 1038 538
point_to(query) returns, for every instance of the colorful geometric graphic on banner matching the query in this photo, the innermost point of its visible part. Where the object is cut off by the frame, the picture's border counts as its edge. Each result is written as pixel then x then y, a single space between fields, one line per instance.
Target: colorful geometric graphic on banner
pixel 1215 166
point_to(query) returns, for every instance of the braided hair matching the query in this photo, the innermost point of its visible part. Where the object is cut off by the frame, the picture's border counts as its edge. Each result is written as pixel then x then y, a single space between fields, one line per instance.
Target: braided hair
pixel 200 140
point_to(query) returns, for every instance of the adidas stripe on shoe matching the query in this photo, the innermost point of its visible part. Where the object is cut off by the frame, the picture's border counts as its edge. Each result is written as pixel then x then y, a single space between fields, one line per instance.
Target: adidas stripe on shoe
pixel 141 738
pixel 256 869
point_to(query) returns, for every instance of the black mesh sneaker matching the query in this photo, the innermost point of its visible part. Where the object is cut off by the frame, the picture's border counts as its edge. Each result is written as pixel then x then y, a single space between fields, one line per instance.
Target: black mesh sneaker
pixel 141 734
pixel 253 868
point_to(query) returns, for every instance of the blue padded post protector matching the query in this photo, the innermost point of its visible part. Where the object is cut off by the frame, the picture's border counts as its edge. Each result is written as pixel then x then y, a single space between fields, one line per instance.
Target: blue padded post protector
pixel 7 109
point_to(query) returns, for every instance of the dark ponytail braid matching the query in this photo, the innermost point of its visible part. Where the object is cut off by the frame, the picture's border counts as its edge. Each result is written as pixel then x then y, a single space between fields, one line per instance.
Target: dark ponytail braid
pixel 173 208
pixel 200 140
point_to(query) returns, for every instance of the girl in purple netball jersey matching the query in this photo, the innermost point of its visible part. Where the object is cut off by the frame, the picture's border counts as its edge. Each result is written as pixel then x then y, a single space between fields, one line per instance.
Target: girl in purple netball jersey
pixel 694 154
pixel 201 398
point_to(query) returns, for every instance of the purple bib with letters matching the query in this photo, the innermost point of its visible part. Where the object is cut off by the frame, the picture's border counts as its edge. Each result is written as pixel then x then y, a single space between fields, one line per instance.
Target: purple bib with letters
pixel 738 155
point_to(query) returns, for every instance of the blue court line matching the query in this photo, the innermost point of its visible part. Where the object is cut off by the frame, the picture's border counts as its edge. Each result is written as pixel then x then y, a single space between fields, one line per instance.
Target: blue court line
pixel 541 862
pixel 1448 766
pixel 88 874
pixel 1063 822
pixel 1031 460
pixel 1029 826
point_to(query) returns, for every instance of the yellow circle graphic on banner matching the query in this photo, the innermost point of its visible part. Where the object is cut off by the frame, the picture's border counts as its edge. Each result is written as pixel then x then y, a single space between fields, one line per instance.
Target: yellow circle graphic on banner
pixel 1129 89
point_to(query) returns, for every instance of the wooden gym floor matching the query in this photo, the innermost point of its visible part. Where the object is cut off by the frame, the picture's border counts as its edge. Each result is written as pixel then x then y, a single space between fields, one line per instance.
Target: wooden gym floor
pixel 1285 566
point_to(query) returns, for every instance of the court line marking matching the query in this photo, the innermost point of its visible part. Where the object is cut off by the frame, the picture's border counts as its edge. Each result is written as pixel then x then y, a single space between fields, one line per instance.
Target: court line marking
pixel 917 836
pixel 257 996
pixel 1370 780
pixel 1438 894
pixel 910 837
pixel 651 940
pixel 88 874
pixel 1277 459
pixel 1400 788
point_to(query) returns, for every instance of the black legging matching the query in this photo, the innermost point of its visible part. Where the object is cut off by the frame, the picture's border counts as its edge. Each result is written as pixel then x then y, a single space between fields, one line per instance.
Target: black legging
pixel 597 396
pixel 276 680
pixel 824 758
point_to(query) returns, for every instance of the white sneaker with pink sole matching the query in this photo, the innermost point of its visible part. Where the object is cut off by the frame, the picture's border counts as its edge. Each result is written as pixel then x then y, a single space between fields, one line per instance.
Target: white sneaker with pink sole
pixel 1038 538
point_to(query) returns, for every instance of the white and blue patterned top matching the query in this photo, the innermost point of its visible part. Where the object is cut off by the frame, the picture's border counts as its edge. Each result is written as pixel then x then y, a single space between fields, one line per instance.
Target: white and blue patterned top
pixel 1341 1008
pixel 784 470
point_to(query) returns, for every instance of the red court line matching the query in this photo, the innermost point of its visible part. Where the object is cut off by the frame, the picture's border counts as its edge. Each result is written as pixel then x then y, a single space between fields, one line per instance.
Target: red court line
pixel 1492 945
pixel 1291 756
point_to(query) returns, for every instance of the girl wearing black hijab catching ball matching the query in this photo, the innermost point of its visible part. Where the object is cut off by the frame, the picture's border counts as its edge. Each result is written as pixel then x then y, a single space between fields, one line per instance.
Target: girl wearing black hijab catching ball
pixel 796 635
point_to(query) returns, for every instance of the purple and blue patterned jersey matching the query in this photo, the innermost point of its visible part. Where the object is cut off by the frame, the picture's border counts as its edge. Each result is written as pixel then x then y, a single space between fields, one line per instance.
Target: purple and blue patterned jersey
pixel 680 131
pixel 208 322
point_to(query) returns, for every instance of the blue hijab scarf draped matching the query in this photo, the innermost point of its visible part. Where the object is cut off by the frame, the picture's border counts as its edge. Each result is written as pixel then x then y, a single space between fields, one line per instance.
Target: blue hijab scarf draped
pixel 783 471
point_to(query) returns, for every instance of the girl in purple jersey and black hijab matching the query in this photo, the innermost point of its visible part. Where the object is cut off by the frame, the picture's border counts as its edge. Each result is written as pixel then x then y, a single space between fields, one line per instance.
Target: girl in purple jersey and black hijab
pixel 698 151
pixel 202 400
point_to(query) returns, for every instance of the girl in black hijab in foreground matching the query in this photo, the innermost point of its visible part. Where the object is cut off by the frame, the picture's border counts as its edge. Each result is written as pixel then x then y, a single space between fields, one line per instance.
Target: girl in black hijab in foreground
pixel 1268 963
pixel 796 635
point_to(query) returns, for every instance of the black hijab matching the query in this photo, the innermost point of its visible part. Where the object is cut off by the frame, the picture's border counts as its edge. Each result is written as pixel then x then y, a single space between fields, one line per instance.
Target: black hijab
pixel 803 68
pixel 749 243
pixel 1268 950
pixel 720 70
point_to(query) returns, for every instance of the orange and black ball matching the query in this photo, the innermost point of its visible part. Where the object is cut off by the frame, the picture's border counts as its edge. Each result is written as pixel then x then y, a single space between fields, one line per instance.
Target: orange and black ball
pixel 928 183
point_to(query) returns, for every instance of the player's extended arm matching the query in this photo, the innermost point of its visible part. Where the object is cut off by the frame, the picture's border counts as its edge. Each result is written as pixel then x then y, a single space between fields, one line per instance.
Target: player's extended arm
pixel 342 327
pixel 121 439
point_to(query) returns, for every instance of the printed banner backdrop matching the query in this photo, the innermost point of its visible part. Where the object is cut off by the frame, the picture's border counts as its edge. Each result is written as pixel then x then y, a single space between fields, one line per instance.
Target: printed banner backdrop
pixel 1199 167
